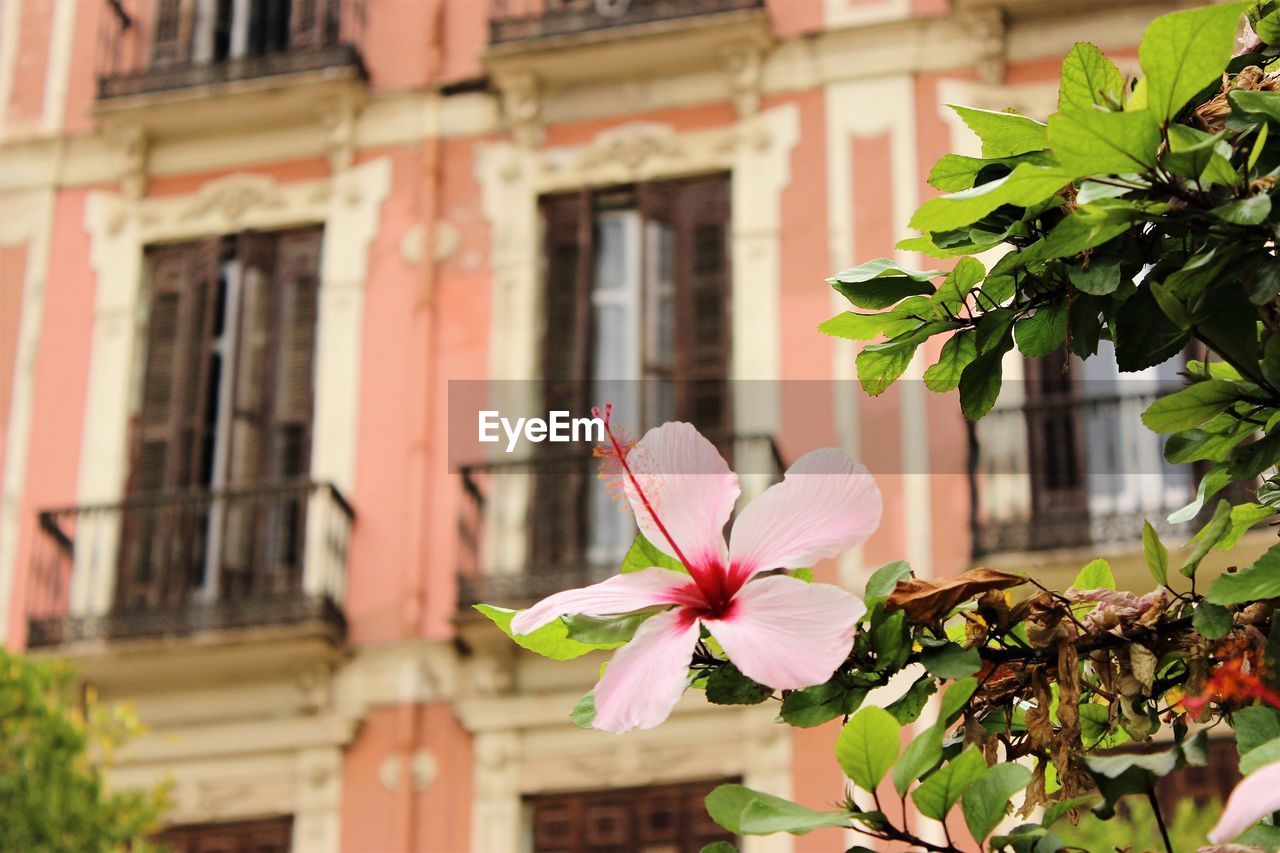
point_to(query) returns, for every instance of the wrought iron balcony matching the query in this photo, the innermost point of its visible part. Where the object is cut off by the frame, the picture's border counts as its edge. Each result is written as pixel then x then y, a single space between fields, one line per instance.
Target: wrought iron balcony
pixel 177 564
pixel 522 20
pixel 531 527
pixel 149 46
pixel 1067 471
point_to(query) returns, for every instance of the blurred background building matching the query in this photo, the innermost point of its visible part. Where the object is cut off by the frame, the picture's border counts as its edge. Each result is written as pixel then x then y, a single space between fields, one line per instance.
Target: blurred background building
pixel 244 245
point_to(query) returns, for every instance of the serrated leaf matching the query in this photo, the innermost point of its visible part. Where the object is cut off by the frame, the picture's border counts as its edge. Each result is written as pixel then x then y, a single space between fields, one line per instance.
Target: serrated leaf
pixel 868 746
pixel 1183 52
pixel 954 172
pixel 884 579
pixel 551 640
pixel 1025 186
pixel 1155 553
pixel 1090 142
pixel 1191 406
pixel 1088 78
pixel 1003 134
pixel 957 352
pixel 1213 621
pixel 728 686
pixel 1243 517
pixel 746 812
pixel 643 554
pixel 1042 332
pixel 922 754
pixel 940 792
pixel 1258 582
pixel 1095 575
pixel 951 661
pixel 985 801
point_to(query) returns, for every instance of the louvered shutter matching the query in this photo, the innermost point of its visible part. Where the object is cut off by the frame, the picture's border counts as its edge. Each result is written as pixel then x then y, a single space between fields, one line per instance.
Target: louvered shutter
pixel 557 517
pixel 1059 489
pixel 169 41
pixel 309 23
pixel 162 545
pixel 700 213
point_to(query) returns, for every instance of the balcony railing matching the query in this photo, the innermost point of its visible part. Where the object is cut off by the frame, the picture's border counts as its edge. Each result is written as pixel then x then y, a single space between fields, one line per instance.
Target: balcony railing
pixel 521 20
pixel 181 563
pixel 531 527
pixel 148 46
pixel 1067 471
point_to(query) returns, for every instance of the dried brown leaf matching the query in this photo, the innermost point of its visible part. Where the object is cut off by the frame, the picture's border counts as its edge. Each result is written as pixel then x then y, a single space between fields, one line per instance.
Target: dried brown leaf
pixel 927 601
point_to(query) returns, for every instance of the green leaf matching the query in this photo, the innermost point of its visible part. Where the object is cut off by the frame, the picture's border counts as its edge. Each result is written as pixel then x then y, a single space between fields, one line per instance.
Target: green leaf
pixel 719 847
pixel 883 581
pixel 1211 483
pixel 1099 278
pixel 1088 226
pixel 746 812
pixel 1262 836
pixel 1025 186
pixel 1261 756
pixel 980 382
pixel 1245 211
pixel 1156 554
pixel 954 172
pixel 1208 537
pixel 644 555
pixel 1191 406
pixel 880 368
pixel 816 705
pixel 880 283
pixel 1053 812
pixel 922 754
pixel 1088 78
pixel 1258 582
pixel 1144 335
pixel 1255 726
pixel 941 791
pixel 551 640
pixel 1089 142
pixel 857 327
pixel 728 686
pixel 1003 134
pixel 1190 151
pixel 1213 621
pixel 583 714
pixel 1095 575
pixel 891 642
pixel 604 632
pixel 957 353
pixel 1259 106
pixel 868 746
pixel 1183 52
pixel 985 802
pixel 906 709
pixel 1119 775
pixel 1042 332
pixel 1243 517
pixel 956 697
pixel 1250 460
pixel 951 661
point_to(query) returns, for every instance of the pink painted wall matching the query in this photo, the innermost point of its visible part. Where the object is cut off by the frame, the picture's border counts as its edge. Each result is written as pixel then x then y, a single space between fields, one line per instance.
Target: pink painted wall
pixel 13 272
pixel 61 380
pixel 26 102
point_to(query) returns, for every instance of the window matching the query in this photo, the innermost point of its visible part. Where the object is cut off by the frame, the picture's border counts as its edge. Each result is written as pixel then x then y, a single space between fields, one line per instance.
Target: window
pixel 660 819
pixel 222 30
pixel 271 835
pixel 637 290
pixel 226 406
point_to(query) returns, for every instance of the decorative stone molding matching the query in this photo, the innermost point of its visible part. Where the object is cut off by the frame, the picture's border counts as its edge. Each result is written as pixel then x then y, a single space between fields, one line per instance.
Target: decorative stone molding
pixel 745 66
pixel 988 28
pixel 230 198
pixel 521 106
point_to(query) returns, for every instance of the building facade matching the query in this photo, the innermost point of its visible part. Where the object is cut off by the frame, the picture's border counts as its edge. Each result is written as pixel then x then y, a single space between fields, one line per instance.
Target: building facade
pixel 256 255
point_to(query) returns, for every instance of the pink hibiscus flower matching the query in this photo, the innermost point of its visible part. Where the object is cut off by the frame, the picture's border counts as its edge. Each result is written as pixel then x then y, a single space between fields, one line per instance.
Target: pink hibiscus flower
pixel 1257 796
pixel 778 630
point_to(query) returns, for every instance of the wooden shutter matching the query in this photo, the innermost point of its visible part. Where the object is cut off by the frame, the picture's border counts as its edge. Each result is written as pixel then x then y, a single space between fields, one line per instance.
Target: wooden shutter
pixel 557 519
pixel 169 42
pixel 162 544
pixel 270 835
pixel 700 213
pixel 306 24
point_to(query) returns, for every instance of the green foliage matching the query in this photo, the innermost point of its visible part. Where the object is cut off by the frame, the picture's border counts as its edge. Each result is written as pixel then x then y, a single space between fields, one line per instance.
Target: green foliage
pixel 868 746
pixel 53 748
pixel 551 640
pixel 644 555
pixel 1188 825
pixel 986 799
pixel 746 812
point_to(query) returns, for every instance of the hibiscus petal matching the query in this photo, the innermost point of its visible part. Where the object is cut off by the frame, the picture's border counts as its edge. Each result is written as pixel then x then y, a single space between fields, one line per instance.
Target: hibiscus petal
pixel 647 676
pixel 826 503
pixel 619 594
pixel 788 634
pixel 690 488
pixel 1257 796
